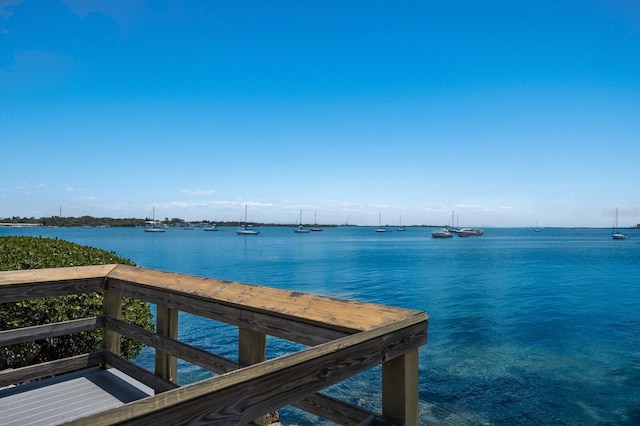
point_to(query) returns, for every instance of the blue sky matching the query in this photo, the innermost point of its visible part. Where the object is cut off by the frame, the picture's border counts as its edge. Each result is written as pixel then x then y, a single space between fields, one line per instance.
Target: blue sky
pixel 508 112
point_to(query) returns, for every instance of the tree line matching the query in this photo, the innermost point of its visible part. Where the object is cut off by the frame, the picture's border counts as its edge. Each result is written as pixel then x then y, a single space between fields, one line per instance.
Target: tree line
pixel 91 221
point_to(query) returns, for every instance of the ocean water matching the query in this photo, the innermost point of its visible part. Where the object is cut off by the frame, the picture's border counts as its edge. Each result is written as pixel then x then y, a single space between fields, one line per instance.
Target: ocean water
pixel 526 328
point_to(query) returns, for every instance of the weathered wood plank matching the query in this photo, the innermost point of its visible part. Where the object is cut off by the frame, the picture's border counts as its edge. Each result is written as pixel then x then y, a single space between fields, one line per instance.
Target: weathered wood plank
pixel 252 349
pixel 196 356
pixel 252 346
pixel 289 329
pixel 52 368
pixel 242 395
pixel 112 306
pixel 400 388
pixel 167 325
pixel 156 383
pixel 340 412
pixel 29 334
pixel 308 308
pixel 38 283
pixel 46 275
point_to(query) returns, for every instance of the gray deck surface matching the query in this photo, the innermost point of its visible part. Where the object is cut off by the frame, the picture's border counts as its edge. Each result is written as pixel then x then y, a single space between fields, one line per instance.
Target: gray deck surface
pixel 60 399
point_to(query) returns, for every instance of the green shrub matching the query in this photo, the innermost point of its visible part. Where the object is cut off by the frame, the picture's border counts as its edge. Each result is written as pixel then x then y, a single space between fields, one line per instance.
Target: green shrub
pixel 37 253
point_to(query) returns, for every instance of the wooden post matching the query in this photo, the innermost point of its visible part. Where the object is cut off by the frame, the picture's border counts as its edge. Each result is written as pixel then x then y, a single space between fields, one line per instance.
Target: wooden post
pixel 252 349
pixel 167 325
pixel 400 388
pixel 111 306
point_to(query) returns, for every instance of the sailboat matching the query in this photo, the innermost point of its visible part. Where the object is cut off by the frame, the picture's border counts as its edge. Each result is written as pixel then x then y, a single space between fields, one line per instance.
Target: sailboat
pixel 615 234
pixel 315 227
pixel 380 228
pixel 301 229
pixel 152 225
pixel 400 227
pixel 536 229
pixel 246 229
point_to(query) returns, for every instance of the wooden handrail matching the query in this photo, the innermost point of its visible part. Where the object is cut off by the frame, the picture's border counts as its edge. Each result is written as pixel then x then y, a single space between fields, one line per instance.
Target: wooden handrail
pixel 344 337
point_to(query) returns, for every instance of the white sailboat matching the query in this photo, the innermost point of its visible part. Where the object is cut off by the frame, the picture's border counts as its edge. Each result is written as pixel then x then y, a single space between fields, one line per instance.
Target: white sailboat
pixel 301 229
pixel 400 227
pixel 244 229
pixel 536 229
pixel 615 234
pixel 152 225
pixel 380 228
pixel 315 227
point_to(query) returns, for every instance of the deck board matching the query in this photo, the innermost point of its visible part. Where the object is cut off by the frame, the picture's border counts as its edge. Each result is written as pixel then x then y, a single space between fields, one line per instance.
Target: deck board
pixel 70 396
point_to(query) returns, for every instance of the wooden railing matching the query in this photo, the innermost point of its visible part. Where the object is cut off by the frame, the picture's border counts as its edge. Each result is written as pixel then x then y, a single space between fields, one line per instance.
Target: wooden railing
pixel 344 338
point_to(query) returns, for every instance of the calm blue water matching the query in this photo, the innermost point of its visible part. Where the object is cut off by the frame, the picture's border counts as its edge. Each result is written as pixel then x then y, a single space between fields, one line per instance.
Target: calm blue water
pixel 526 328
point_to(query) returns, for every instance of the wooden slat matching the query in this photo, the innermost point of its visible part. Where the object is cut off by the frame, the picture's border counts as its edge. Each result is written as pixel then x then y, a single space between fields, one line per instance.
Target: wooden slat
pixel 51 368
pixel 341 413
pixel 156 383
pixel 240 396
pixel 191 354
pixel 29 334
pixel 38 283
pixel 308 308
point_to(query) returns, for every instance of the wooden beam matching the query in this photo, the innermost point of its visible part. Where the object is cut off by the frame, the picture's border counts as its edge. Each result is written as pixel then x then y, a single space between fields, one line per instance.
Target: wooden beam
pixel 196 356
pixel 339 314
pixel 167 325
pixel 38 283
pixel 272 325
pixel 29 334
pixel 51 368
pixel 400 388
pixel 158 384
pixel 113 308
pixel 252 349
pixel 340 412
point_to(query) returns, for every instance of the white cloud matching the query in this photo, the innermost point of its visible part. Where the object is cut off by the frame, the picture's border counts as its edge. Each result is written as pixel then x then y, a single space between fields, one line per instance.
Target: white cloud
pixel 198 192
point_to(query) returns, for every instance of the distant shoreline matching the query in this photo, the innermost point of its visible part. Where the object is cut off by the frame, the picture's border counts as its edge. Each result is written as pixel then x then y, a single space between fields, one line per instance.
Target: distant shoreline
pixel 88 222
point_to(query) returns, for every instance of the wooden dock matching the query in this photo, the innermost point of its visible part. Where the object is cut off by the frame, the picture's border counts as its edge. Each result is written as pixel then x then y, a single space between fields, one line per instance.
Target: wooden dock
pixel 343 338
